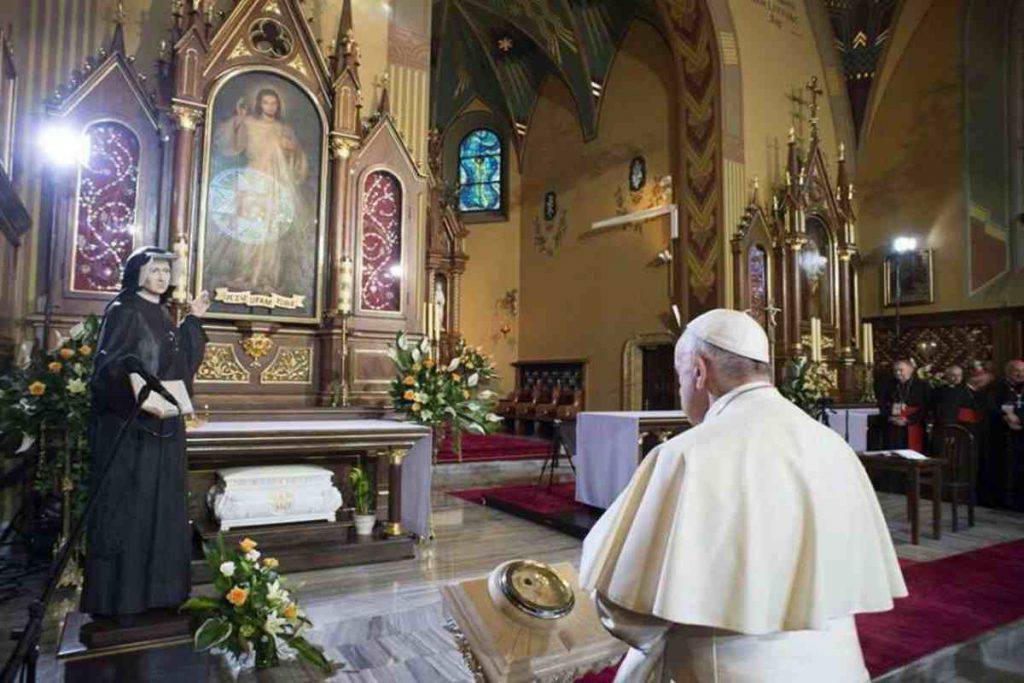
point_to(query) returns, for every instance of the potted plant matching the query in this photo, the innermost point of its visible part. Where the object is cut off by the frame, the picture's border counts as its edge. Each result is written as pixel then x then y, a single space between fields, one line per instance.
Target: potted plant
pixel 365 516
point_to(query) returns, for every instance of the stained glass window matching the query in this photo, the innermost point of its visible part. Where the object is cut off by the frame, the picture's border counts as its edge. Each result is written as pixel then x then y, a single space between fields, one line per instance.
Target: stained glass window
pixel 382 243
pixel 104 233
pixel 480 171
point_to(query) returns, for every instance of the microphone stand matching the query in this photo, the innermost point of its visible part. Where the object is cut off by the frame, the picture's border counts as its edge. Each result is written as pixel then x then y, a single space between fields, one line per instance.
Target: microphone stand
pixel 26 652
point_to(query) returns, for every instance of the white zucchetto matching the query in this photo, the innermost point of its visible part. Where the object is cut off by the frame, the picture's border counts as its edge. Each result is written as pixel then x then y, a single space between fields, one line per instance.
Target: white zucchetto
pixel 732 331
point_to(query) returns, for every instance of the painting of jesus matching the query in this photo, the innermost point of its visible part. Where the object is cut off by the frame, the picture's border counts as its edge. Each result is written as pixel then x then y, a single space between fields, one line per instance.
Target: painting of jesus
pixel 261 229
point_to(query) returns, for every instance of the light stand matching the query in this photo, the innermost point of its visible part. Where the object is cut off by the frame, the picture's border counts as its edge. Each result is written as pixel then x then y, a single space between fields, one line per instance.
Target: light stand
pixel 900 246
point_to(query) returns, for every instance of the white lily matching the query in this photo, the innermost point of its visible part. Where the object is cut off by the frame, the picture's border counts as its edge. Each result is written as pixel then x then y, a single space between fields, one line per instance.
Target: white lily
pixel 424 345
pixel 252 555
pixel 491 417
pixel 473 380
pixel 227 569
pixel 454 365
pixel 274 624
pixel 277 595
pixel 76 386
pixel 416 355
pixel 475 428
pixel 392 353
pixel 426 415
pixel 78 331
pixel 403 343
pixel 487 394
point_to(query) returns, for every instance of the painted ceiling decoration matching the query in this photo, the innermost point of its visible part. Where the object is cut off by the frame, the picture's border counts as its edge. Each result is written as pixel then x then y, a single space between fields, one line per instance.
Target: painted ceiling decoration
pixel 499 51
pixel 861 29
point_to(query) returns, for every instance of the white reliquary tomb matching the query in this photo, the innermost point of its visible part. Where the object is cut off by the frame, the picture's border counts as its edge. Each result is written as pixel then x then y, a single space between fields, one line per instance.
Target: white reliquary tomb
pixel 273 494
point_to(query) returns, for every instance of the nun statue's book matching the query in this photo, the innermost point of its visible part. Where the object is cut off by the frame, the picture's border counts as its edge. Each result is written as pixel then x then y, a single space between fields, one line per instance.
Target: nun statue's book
pixel 138 542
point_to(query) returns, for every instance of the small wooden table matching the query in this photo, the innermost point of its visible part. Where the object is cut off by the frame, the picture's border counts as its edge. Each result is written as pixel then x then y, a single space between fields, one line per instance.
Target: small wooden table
pixel 890 461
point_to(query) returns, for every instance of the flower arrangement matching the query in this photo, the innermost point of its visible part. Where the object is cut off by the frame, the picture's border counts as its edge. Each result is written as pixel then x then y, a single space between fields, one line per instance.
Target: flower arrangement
pixel 50 392
pixel 453 395
pixel 806 384
pixel 253 614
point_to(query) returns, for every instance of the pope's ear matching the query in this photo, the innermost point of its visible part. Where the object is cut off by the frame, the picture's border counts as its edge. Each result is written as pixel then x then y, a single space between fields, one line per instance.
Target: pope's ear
pixel 700 366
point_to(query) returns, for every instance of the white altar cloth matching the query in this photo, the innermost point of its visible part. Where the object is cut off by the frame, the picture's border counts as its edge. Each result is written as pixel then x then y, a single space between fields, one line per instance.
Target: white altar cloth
pixel 416 469
pixel 852 425
pixel 607 451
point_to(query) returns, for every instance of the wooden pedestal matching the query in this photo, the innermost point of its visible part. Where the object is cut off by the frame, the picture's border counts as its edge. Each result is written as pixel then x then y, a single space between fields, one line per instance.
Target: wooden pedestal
pixel 508 652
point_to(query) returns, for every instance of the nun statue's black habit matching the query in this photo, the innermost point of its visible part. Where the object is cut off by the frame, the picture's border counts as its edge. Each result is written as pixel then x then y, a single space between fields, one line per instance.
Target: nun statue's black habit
pixel 138 541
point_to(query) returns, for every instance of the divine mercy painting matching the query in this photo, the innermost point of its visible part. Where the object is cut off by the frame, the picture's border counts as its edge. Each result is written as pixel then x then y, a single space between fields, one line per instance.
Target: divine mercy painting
pixel 261 237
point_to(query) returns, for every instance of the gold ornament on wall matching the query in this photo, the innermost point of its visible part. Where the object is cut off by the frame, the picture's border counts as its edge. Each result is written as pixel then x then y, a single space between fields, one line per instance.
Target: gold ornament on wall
pixel 257 346
pixel 291 365
pixel 550 226
pixel 221 364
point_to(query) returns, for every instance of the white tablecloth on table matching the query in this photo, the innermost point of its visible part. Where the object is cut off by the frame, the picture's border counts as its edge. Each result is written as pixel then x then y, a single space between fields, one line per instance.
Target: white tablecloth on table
pixel 852 425
pixel 607 453
pixel 416 469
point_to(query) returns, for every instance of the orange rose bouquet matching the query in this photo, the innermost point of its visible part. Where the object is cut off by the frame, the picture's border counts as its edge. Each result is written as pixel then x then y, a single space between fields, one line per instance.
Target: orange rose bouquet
pixel 253 614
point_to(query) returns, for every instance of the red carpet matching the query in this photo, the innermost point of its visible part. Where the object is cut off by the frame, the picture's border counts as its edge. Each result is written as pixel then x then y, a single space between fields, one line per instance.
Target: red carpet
pixel 951 600
pixel 476 448
pixel 540 500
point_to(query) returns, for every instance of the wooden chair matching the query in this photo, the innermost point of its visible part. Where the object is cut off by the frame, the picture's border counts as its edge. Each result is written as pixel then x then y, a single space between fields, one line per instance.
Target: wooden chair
pixel 527 410
pixel 955 445
pixel 507 406
pixel 570 405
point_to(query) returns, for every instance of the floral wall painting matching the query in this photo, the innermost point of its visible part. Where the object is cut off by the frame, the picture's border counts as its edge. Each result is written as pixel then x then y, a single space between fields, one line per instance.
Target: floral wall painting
pixel 550 226
pixel 260 238
pixel 637 173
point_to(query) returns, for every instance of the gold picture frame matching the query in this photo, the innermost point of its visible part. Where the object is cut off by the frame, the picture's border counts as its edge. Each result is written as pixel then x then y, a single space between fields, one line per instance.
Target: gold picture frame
pixel 917 279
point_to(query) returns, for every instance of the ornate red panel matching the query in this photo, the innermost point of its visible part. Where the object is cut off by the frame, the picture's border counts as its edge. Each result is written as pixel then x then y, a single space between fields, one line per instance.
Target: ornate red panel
pixel 105 225
pixel 382 268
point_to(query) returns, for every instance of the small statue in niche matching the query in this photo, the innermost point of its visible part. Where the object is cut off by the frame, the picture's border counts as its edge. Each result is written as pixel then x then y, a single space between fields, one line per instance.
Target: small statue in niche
pixel 139 545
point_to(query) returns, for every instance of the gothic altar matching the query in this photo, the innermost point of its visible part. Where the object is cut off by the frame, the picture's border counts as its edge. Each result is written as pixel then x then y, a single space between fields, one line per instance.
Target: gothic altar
pixel 313 227
pixel 794 263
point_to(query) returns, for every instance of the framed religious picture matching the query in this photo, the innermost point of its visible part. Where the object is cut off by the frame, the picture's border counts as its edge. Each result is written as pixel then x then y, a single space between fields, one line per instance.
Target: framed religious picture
pixel 916 284
pixel 261 239
pixel 637 173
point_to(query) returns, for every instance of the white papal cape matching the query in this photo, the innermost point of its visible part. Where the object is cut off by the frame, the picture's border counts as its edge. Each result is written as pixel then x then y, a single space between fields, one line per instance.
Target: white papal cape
pixel 759 529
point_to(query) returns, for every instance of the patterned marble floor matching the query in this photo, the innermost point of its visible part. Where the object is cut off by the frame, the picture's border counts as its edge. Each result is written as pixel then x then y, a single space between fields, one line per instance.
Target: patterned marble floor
pixel 385 622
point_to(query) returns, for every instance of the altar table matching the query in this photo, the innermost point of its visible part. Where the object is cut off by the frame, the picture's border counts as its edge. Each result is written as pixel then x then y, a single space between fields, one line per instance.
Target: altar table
pixel 608 449
pixel 852 425
pixel 406 446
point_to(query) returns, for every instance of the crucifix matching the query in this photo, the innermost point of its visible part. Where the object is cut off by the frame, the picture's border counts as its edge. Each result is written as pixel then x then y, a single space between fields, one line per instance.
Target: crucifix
pixel 815 91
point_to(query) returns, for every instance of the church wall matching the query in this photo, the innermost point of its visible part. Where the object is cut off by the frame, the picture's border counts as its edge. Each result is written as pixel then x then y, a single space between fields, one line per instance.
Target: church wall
pixel 596 292
pixel 912 165
pixel 778 52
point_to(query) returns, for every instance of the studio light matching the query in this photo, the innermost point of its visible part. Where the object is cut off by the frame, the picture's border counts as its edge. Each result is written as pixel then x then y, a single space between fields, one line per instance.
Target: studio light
pixel 902 245
pixel 63 147
pixel 395 271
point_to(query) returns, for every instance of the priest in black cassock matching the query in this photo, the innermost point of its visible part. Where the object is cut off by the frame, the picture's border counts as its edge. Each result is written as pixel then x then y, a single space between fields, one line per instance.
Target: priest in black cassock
pixel 1008 433
pixel 138 544
pixel 903 402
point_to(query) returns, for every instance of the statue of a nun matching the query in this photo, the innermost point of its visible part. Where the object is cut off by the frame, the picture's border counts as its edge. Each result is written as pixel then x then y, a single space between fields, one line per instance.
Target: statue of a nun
pixel 138 545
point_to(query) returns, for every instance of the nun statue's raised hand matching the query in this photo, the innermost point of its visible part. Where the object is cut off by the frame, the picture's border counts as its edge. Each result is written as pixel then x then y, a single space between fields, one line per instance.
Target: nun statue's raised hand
pixel 138 543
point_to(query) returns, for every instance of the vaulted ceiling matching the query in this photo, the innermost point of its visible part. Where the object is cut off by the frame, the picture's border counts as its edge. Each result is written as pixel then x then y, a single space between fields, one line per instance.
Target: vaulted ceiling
pixel 861 29
pixel 501 50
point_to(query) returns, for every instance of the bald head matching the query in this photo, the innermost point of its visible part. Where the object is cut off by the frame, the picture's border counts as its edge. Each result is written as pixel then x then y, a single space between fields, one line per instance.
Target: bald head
pixel 1015 371
pixel 903 370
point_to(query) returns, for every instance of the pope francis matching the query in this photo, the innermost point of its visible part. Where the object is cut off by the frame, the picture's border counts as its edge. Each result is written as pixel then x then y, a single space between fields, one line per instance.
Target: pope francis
pixel 742 548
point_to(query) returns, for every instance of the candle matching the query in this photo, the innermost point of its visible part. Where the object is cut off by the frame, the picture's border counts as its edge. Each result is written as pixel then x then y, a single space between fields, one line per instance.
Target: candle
pixel 816 339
